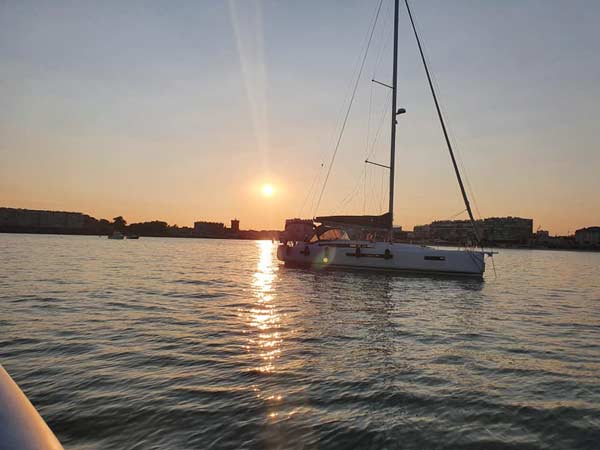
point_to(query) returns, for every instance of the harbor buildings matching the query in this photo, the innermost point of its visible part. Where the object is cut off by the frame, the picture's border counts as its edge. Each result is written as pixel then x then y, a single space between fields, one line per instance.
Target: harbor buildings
pixel 588 236
pixel 219 230
pixel 211 229
pixel 507 230
pixel 31 219
pixel 493 230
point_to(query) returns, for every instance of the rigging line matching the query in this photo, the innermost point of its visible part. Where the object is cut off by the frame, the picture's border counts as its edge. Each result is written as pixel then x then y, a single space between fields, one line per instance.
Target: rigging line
pixel 373 193
pixel 371 153
pixel 364 189
pixel 337 145
pixel 306 197
pixel 449 127
pixel 369 121
pixel 494 266
pixel 372 196
pixel 313 199
pixel 347 200
pixel 453 138
pixel 385 42
pixel 368 152
pixel 313 194
pixel 338 122
pixel 356 188
pixel 310 190
pixel 368 141
pixel 465 171
pixel 382 192
pixel 361 182
pixel 381 122
pixel 373 181
pixel 467 178
pixel 439 112
pixel 350 195
pixel 368 147
pixel 373 146
pixel 457 214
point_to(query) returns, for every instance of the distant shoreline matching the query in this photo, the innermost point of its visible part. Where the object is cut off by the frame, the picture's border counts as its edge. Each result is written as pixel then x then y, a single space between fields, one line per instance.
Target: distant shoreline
pixel 516 247
pixel 242 238
pixel 30 221
pixel 86 233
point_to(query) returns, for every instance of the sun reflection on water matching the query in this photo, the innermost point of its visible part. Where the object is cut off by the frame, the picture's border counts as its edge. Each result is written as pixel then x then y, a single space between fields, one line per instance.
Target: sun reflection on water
pixel 264 316
pixel 265 322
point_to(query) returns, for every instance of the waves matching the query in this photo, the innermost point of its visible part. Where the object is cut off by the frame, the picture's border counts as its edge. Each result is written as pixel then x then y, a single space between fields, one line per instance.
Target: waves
pixel 146 350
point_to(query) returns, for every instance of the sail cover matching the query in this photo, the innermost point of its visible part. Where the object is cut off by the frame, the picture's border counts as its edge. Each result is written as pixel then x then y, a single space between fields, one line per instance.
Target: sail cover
pixel 380 222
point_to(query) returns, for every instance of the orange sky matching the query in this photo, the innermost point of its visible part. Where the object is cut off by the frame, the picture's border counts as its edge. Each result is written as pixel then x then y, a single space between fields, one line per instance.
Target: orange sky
pixel 182 115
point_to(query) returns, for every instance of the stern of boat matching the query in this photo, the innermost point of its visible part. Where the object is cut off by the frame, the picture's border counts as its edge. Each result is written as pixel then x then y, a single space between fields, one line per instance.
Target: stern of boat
pixel 281 252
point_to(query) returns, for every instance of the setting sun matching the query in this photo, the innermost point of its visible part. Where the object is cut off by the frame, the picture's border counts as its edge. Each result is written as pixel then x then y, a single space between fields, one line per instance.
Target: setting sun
pixel 268 190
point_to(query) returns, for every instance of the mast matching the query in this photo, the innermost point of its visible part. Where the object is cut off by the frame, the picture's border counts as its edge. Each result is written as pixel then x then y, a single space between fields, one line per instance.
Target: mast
pixel 394 113
pixel 439 113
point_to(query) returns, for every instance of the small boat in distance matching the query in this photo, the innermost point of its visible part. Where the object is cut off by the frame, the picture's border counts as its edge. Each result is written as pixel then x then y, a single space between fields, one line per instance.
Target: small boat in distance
pixel 351 241
pixel 132 236
pixel 116 235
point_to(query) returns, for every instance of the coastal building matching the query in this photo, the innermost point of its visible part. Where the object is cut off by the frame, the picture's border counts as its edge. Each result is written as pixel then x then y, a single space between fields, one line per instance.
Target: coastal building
pixel 507 230
pixel 455 231
pixel 421 232
pixel 399 234
pixel 493 230
pixel 451 231
pixel 209 228
pixel 219 230
pixel 588 236
pixel 259 235
pixel 541 238
pixel 31 219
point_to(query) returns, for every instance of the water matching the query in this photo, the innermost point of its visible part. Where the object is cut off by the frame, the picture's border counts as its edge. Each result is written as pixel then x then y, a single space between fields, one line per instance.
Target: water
pixel 181 343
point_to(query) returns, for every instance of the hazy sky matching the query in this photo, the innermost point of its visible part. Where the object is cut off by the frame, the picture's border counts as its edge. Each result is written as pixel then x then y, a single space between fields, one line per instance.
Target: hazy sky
pixel 181 110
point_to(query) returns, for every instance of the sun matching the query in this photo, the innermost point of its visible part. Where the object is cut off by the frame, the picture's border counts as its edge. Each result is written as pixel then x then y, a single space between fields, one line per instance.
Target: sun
pixel 267 190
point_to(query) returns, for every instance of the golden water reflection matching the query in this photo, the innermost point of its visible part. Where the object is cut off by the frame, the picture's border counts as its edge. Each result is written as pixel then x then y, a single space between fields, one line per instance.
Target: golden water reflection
pixel 265 322
pixel 264 316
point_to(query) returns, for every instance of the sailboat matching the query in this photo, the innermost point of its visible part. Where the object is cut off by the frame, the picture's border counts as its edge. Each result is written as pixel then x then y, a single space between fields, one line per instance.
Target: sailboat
pixel 326 241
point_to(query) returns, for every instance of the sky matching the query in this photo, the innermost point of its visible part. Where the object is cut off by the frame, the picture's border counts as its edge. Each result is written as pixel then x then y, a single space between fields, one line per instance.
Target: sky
pixel 182 111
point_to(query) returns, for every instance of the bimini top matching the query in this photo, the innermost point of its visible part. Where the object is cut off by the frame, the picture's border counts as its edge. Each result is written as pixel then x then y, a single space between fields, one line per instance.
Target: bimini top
pixel 327 233
pixel 383 222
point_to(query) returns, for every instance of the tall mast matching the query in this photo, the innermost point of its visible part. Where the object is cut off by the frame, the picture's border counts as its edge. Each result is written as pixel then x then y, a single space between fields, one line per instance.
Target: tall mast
pixel 394 113
pixel 439 113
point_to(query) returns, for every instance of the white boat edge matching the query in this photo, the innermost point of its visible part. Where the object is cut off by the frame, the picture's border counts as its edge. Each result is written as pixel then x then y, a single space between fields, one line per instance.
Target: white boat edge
pixel 21 426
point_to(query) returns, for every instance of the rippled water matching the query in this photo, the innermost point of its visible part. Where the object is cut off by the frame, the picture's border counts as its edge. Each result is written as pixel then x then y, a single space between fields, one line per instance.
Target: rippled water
pixel 181 343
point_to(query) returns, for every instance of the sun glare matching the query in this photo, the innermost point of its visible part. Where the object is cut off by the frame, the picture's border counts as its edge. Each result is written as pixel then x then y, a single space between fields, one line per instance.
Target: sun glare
pixel 268 190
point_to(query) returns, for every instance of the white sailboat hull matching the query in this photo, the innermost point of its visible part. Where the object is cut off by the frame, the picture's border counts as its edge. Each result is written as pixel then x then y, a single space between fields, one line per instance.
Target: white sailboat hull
pixel 383 256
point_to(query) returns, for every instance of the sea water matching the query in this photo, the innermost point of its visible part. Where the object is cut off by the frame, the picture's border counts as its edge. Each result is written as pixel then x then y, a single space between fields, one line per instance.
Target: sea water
pixel 192 343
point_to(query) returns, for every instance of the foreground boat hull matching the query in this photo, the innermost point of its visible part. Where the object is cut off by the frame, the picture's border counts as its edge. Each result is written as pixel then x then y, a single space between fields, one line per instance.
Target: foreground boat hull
pixel 384 257
pixel 21 427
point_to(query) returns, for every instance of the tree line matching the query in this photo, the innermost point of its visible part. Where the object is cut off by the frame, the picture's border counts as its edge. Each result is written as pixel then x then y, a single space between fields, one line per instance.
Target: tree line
pixel 151 228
